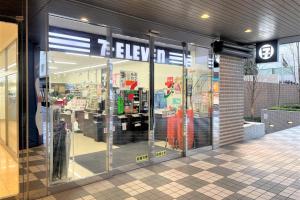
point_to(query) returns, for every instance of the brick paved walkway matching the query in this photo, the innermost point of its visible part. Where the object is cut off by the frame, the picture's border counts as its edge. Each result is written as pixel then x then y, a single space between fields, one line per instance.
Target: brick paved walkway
pixel 268 168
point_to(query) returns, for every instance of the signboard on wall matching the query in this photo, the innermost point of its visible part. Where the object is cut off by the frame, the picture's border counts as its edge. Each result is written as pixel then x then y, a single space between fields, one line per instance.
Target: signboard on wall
pixel 267 51
pixel 87 43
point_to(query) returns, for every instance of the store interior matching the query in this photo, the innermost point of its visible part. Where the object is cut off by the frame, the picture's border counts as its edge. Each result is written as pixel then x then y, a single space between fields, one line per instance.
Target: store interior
pixel 9 165
pixel 77 94
pixel 77 91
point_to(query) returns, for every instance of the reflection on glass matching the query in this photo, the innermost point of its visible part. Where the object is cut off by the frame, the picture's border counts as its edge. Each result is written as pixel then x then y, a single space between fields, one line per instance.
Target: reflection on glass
pixel 76 96
pixel 12 118
pixel 2 99
pixel 12 58
pixel 199 99
pixel 9 143
pixel 168 100
pixel 130 116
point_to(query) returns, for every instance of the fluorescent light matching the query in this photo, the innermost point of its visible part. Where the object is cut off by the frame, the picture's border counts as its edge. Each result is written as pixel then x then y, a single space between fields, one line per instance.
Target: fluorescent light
pixel 65 63
pixel 205 16
pixel 90 67
pixel 84 19
pixel 69 42
pixel 82 68
pixel 176 62
pixel 289 122
pixel 12 65
pixel 69 36
pixel 54 46
pixel 96 57
pixel 175 58
pixel 248 30
pixel 271 125
pixel 84 55
pixel 77 54
pixel 52 67
pixel 175 54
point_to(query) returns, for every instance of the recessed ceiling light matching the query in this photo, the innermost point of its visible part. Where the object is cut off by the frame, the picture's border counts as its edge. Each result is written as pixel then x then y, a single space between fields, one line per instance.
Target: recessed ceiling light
pixel 248 30
pixel 84 19
pixel 64 63
pixel 204 16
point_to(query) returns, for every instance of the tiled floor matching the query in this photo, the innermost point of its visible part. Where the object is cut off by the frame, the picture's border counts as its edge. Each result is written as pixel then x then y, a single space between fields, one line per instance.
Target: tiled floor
pixel 9 174
pixel 264 169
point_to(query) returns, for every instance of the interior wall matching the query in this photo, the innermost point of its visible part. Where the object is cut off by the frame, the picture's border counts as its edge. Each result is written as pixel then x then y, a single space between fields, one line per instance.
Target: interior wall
pixel 8 33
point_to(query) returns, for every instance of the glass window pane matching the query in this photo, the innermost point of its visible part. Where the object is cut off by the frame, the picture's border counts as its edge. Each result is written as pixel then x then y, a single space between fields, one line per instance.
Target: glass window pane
pixel 168 98
pixel 77 142
pixel 130 89
pixel 12 118
pixel 2 111
pixel 12 58
pixel 199 99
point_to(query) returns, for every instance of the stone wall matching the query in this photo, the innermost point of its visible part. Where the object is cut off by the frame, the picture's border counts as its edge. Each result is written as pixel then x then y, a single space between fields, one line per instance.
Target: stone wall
pixel 268 96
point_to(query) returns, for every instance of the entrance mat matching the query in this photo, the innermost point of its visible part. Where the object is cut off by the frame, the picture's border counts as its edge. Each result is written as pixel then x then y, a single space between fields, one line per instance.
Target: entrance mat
pixel 125 155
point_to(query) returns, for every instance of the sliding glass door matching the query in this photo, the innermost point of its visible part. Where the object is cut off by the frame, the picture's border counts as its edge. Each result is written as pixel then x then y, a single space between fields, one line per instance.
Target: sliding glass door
pixel 104 90
pixel 199 98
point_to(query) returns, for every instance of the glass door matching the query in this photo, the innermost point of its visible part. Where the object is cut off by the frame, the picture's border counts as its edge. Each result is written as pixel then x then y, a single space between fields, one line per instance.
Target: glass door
pixel 130 90
pixel 199 98
pixel 76 95
pixel 168 98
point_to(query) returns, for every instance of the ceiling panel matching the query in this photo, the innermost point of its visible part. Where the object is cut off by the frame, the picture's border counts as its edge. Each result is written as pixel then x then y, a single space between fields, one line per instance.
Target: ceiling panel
pixel 11 8
pixel 268 19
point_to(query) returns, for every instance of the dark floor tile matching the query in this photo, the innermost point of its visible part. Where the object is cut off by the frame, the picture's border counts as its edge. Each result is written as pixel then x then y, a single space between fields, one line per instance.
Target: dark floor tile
pixel 37 184
pixel 242 161
pixel 153 194
pixel 264 184
pixel 192 182
pixel 296 184
pixel 215 161
pixel 277 188
pixel 234 196
pixel 71 194
pixel 194 195
pixel 212 153
pixel 221 171
pixel 188 169
pixel 187 160
pixel 155 181
pixel 279 197
pixel 121 179
pixel 230 184
pixel 158 168
pixel 255 172
pixel 113 193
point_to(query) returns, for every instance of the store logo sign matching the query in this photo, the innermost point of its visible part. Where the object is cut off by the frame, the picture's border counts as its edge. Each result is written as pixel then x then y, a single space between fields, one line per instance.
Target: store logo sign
pixel 66 40
pixel 123 49
pixel 266 52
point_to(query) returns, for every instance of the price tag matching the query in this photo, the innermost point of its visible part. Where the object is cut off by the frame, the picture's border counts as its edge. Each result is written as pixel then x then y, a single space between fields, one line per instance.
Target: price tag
pixel 124 126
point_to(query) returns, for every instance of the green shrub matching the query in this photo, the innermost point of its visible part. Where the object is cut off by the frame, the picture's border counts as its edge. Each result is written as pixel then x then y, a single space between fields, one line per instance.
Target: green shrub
pixel 252 119
pixel 291 107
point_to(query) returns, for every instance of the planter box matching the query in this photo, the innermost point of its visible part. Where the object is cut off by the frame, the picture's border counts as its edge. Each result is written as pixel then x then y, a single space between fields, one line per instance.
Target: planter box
pixel 253 130
pixel 277 120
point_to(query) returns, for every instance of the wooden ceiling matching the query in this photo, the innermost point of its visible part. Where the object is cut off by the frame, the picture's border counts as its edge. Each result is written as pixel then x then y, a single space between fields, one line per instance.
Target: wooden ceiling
pixel 268 19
